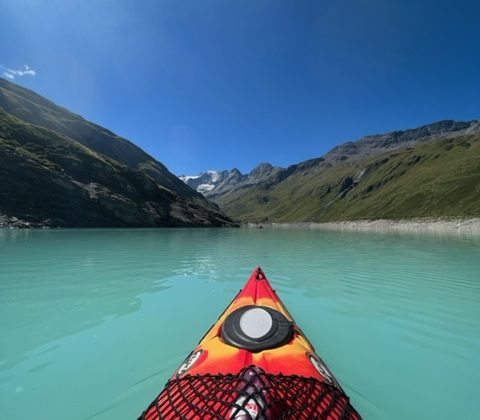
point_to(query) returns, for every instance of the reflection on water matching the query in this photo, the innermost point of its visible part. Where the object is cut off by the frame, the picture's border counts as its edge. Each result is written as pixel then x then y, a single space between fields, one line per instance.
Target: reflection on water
pixel 108 314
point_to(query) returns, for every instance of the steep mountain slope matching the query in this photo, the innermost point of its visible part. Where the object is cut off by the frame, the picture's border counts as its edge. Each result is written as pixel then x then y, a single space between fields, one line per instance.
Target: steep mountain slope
pixel 433 171
pixel 34 109
pixel 57 169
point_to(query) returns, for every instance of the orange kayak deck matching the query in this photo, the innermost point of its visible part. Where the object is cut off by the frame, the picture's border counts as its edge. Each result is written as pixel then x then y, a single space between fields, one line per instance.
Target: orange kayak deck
pixel 254 363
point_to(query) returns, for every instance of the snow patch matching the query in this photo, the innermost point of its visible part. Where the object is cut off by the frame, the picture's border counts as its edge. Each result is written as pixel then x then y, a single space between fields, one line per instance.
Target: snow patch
pixel 185 178
pixel 214 175
pixel 203 188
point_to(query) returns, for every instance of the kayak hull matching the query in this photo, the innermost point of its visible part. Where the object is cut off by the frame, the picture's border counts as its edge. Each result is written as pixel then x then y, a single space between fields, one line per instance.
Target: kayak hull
pixel 254 363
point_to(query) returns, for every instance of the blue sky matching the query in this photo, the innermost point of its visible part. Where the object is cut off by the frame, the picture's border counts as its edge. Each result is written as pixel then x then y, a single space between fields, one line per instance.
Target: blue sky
pixel 203 84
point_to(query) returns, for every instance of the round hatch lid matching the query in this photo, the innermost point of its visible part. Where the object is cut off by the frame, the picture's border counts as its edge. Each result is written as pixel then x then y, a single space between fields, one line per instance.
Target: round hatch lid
pixel 256 328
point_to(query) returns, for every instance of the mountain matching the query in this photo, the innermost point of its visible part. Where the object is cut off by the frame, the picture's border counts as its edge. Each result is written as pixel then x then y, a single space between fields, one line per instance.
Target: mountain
pixel 214 184
pixel 430 171
pixel 58 169
pixel 207 181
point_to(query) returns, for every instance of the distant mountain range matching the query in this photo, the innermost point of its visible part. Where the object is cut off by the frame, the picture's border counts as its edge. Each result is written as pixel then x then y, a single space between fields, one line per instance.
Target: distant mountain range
pixel 430 171
pixel 58 169
pixel 214 184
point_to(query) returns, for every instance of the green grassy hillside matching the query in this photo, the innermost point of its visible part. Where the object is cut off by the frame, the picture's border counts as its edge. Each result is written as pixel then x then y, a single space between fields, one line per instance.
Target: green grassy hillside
pixel 436 178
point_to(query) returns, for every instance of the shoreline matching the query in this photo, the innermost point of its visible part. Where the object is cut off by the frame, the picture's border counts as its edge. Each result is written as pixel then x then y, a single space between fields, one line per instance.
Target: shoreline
pixel 441 226
pixel 457 226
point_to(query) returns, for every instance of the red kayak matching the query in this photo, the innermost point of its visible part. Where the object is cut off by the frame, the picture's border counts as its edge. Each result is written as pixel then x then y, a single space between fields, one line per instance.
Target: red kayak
pixel 254 363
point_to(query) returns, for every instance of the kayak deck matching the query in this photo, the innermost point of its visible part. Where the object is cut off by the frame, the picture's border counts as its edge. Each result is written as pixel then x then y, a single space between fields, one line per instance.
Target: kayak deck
pixel 254 363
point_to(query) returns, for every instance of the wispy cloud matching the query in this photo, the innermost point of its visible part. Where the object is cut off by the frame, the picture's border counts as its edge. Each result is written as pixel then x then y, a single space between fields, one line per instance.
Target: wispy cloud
pixel 12 74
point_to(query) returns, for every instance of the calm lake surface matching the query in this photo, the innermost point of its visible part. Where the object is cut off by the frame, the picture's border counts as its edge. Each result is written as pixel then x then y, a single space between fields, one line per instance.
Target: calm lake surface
pixel 93 322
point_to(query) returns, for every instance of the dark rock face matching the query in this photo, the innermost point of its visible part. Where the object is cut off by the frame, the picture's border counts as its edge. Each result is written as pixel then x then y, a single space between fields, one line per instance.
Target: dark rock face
pixel 346 184
pixel 58 169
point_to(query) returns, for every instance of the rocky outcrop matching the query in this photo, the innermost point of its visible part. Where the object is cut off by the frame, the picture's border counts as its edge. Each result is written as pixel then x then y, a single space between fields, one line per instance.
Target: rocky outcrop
pixel 16 223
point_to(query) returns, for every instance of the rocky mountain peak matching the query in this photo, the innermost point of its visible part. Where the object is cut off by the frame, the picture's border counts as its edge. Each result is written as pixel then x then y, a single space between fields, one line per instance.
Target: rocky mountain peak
pixel 261 171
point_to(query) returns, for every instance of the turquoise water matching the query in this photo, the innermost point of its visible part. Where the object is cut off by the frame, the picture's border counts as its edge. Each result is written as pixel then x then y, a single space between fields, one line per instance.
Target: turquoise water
pixel 93 322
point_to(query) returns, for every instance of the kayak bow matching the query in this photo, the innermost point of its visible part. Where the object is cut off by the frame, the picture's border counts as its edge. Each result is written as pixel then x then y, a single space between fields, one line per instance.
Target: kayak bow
pixel 254 363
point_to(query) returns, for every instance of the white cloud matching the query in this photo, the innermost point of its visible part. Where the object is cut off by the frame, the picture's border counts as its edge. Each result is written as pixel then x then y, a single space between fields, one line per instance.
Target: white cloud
pixel 12 74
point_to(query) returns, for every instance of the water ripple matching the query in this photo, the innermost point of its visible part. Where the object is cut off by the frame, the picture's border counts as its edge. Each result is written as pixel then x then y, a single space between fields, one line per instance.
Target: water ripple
pixel 111 313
